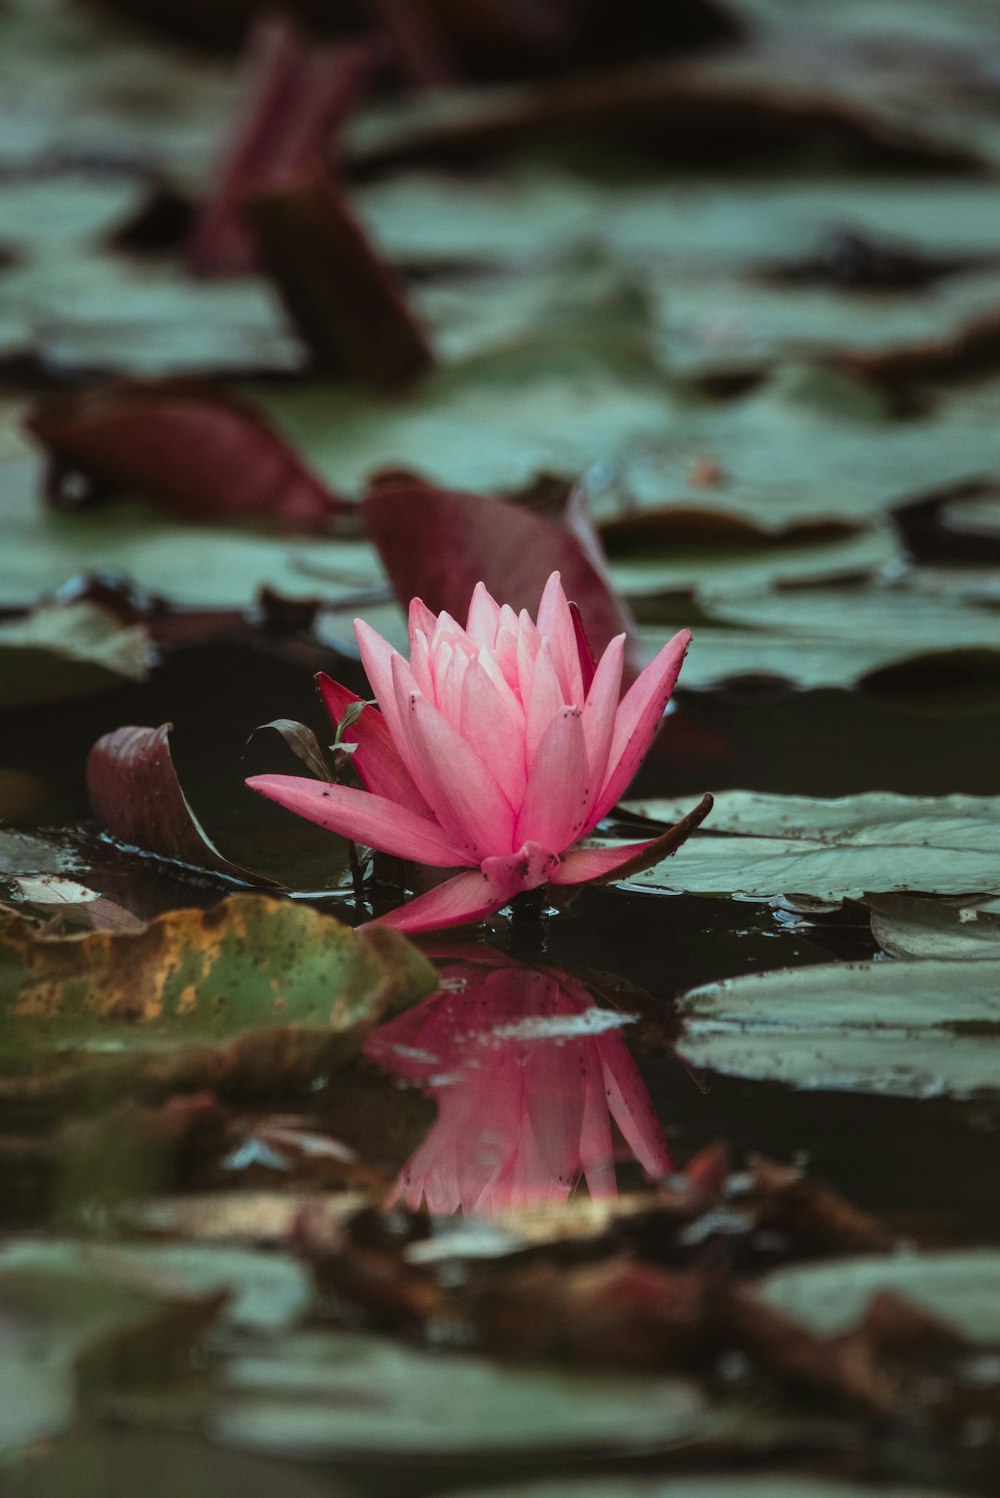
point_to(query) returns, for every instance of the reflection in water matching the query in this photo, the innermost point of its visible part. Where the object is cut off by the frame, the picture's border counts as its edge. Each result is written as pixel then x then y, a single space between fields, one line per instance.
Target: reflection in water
pixel 528 1075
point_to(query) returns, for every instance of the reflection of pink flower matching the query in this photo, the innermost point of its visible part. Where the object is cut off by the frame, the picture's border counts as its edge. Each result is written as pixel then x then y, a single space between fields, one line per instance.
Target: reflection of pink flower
pixel 527 1075
pixel 497 748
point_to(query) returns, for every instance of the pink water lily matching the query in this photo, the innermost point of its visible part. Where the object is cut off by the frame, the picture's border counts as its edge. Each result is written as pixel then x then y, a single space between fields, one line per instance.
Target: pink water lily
pixel 496 749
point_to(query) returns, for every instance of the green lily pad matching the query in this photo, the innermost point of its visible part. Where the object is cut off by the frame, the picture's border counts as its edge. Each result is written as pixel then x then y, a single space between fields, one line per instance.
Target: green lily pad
pixel 735 1485
pixel 488 426
pixel 961 1287
pixel 765 845
pixel 64 1299
pixel 525 212
pixel 107 313
pixel 335 1395
pixel 908 1029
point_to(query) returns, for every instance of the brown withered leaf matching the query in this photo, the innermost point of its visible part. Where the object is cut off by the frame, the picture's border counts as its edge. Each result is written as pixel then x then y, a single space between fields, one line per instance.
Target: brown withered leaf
pixel 844 1368
pixel 266 1219
pixel 359 1264
pixel 812 1213
pixel 195 450
pixel 617 1313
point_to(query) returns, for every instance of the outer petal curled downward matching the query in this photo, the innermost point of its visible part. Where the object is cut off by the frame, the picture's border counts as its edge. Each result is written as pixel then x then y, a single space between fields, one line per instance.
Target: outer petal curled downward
pixel 598 865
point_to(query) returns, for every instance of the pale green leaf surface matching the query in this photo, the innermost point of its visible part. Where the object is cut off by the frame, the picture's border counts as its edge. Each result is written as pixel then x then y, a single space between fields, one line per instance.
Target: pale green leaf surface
pixel 837 849
pixel 962 1287
pixel 907 1029
pixel 337 1394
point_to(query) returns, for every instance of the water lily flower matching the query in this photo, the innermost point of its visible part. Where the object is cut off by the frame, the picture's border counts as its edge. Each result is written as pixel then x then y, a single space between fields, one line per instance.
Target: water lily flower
pixel 529 1078
pixel 495 749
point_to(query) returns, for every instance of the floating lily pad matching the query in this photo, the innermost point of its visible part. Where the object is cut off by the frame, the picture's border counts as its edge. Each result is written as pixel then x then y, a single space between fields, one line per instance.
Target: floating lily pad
pixel 909 1029
pixel 961 1287
pixel 489 426
pixel 256 993
pixel 734 1485
pixel 63 1300
pixel 338 1395
pixel 524 212
pixel 832 850
pixel 104 312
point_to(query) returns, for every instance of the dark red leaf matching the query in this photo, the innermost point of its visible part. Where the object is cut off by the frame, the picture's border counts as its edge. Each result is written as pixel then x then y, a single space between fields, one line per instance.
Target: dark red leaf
pixel 194 449
pixel 436 544
pixel 136 796
pixel 346 304
pixel 295 96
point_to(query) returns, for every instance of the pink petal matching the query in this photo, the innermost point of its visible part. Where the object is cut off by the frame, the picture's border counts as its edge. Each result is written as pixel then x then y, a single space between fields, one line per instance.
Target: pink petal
pixel 446 628
pixel 462 791
pixel 454 664
pixel 599 714
pixel 420 663
pixel 555 623
pixel 376 759
pixel 420 617
pixel 458 902
pixel 484 617
pixel 638 719
pixel 505 658
pixel 492 723
pixel 582 865
pixel 542 701
pixel 558 794
pixel 372 820
pixel 377 656
pixel 587 865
